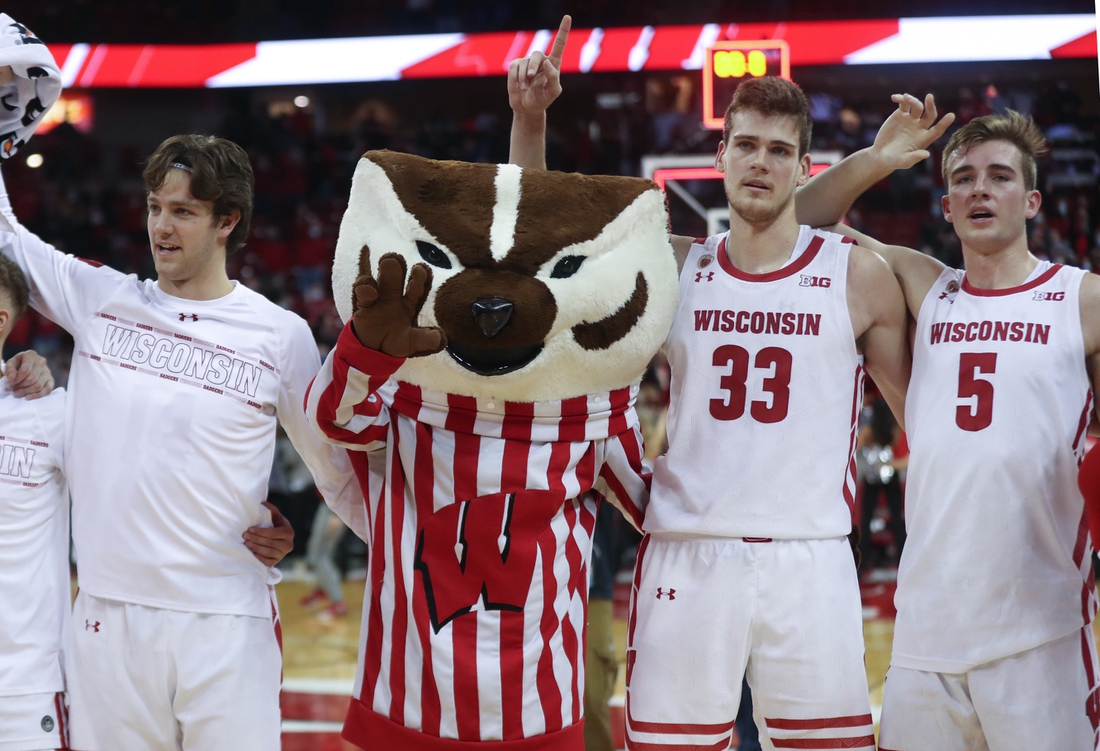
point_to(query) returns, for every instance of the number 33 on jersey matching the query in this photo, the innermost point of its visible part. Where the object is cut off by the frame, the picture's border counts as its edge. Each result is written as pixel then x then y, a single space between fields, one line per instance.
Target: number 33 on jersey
pixel 764 366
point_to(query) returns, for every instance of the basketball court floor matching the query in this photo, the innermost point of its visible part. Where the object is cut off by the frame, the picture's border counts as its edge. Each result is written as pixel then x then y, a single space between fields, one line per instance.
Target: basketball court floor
pixel 319 657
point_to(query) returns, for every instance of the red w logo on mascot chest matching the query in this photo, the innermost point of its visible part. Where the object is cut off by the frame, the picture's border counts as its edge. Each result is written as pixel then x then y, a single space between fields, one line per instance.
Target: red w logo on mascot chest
pixel 484 551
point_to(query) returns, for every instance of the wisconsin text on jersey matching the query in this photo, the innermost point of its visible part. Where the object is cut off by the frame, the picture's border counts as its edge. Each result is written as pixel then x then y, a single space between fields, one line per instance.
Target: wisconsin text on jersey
pixel 16 461
pixel 985 331
pixel 182 358
pixel 759 322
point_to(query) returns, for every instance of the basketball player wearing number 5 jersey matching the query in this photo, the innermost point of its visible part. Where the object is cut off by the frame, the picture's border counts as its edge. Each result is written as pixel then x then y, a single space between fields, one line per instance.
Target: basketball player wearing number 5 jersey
pixel 746 568
pixel 993 645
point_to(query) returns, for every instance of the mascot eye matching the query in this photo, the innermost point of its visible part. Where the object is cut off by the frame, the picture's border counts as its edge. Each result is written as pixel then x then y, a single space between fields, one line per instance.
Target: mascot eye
pixel 566 267
pixel 433 255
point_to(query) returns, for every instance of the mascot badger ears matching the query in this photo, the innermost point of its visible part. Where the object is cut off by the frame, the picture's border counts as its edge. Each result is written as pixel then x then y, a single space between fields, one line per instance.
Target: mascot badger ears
pixel 548 285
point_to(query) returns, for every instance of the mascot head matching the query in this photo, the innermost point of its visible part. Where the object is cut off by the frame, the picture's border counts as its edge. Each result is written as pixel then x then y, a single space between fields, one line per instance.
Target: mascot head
pixel 547 285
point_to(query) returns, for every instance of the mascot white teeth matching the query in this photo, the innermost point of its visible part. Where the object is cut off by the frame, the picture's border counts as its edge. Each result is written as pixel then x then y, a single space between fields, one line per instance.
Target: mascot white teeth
pixel 498 322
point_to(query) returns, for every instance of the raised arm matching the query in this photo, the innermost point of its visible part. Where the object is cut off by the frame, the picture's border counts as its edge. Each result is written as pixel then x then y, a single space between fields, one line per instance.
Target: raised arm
pixel 915 272
pixel 880 325
pixel 343 403
pixel 902 141
pixel 533 85
pixel 65 289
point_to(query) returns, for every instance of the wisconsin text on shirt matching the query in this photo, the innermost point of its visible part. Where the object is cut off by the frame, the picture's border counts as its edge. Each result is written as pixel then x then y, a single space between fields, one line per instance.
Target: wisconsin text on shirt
pixel 987 331
pixel 759 322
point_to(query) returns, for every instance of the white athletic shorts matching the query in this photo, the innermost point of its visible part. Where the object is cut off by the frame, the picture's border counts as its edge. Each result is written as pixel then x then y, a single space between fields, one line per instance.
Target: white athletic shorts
pixel 1046 697
pixel 786 614
pixel 147 679
pixel 33 722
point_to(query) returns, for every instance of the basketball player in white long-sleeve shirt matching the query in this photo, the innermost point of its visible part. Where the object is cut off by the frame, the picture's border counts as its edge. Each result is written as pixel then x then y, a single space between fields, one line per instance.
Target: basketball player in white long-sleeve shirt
pixel 993 644
pixel 175 389
pixel 34 548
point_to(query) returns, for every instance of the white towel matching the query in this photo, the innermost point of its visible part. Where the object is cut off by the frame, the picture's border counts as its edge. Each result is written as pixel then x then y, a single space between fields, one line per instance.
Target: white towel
pixel 33 89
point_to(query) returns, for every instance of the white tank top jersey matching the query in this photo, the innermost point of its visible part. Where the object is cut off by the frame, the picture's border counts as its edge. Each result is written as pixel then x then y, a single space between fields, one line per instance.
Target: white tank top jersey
pixel 766 388
pixel 34 543
pixel 171 431
pixel 997 560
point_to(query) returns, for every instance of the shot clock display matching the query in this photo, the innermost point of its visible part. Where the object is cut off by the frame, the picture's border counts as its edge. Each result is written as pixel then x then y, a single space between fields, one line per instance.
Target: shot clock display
pixel 727 64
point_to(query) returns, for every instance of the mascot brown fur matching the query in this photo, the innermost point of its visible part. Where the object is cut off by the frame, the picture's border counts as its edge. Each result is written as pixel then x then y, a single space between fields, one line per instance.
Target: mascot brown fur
pixel 498 322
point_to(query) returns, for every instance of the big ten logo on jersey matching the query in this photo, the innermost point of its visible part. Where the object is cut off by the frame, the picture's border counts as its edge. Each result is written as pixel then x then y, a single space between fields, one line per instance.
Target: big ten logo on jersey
pixel 805 280
pixel 146 349
pixel 1050 296
pixel 481 554
pixel 17 460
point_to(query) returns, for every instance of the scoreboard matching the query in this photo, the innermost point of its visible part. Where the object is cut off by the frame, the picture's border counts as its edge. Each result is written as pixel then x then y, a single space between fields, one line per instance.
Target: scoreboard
pixel 727 64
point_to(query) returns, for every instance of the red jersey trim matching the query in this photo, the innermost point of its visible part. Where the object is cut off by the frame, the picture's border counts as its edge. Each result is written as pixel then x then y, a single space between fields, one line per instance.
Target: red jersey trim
pixel 800 263
pixel 1043 278
pixel 818 723
pixel 378 364
pixel 368 729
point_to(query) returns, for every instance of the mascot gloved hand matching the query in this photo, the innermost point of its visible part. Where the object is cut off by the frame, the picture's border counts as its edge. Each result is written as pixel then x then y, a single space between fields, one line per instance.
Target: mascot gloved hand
pixel 498 322
pixel 384 313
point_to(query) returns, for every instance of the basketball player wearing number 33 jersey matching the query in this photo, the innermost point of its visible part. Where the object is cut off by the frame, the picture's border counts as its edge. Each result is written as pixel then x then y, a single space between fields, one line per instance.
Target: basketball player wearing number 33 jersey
pixel 993 645
pixel 746 568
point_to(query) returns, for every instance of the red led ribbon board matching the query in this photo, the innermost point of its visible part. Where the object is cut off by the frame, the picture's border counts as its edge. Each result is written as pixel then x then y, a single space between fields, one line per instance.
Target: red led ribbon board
pixel 627 49
pixel 727 64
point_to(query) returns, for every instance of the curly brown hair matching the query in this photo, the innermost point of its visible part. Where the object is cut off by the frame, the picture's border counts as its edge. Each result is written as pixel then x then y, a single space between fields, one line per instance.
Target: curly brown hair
pixel 1020 131
pixel 220 173
pixel 772 96
pixel 13 286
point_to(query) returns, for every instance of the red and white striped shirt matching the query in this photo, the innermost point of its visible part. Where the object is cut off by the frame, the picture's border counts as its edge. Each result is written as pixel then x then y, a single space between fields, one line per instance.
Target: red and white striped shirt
pixel 480 516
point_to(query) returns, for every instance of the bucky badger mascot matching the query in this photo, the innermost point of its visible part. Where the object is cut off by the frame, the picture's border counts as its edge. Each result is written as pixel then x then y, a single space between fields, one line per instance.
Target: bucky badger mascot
pixel 498 321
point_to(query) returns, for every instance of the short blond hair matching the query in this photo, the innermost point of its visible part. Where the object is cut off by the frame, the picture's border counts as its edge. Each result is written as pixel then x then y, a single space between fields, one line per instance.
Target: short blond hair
pixel 1013 128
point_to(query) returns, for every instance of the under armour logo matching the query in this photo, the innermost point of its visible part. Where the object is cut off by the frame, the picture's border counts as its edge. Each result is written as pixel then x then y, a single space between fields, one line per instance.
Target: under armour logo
pixel 671 594
pixel 90 626
pixel 709 275
pixel 185 316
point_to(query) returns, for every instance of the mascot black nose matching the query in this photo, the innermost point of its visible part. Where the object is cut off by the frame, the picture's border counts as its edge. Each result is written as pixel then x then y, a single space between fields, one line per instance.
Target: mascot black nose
pixel 492 314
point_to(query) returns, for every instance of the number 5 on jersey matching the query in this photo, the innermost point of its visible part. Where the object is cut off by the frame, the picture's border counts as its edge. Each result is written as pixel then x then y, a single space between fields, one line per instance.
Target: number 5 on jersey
pixel 970 416
pixel 735 383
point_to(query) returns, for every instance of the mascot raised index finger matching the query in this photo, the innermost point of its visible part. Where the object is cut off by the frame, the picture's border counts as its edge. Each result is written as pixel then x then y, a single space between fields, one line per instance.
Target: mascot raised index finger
pixel 498 322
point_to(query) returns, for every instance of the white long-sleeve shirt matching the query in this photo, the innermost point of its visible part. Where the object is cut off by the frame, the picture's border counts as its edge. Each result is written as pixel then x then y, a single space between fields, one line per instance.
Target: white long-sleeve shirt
pixel 171 431
pixel 34 544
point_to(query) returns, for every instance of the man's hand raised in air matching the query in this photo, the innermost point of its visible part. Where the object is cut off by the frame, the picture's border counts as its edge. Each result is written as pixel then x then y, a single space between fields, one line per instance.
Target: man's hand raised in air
pixel 534 82
pixel 905 136
pixel 902 141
